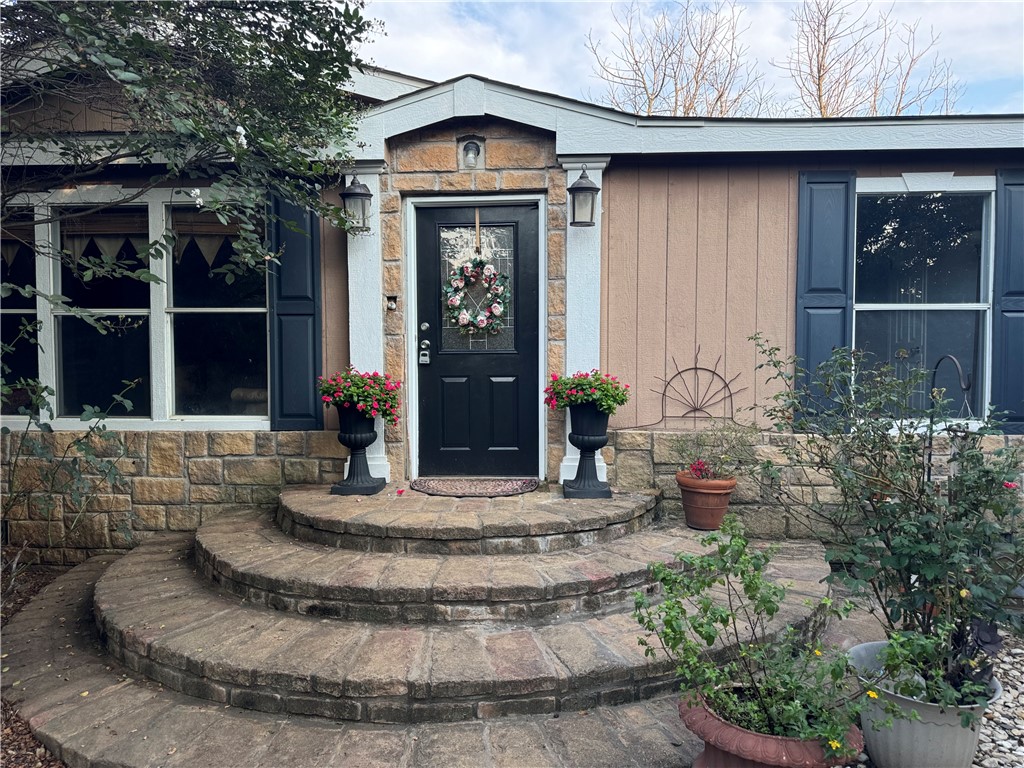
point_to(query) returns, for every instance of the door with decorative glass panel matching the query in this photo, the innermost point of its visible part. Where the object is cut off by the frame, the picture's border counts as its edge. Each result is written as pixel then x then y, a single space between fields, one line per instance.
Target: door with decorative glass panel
pixel 477 341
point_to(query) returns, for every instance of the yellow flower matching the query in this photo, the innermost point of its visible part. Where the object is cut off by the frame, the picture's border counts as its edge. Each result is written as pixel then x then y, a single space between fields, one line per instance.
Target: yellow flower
pixel 817 652
pixel 834 744
pixel 872 694
pixel 965 593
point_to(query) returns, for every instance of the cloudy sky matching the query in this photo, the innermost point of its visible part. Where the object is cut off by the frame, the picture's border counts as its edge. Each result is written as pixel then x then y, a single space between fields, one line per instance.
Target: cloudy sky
pixel 541 44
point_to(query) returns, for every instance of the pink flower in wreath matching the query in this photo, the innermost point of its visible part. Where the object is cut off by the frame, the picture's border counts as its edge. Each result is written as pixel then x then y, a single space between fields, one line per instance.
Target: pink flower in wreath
pixel 488 270
pixel 498 289
pixel 454 301
pixel 464 318
pixel 466 269
pixel 458 283
pixel 481 322
pixel 496 309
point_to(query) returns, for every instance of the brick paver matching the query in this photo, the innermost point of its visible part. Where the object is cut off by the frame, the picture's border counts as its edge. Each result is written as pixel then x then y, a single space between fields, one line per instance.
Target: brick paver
pixel 53 657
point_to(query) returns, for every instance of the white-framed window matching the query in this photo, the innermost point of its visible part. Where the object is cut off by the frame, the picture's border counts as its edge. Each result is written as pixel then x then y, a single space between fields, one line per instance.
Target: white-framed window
pixel 197 346
pixel 923 278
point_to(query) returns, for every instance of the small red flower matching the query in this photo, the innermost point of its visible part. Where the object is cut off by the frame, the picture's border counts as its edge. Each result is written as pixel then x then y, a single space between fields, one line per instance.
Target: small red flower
pixel 400 491
pixel 1011 486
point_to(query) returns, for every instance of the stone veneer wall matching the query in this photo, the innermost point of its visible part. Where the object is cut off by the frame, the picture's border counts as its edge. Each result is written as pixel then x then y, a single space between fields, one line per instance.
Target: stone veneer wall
pixel 516 159
pixel 172 481
pixel 639 459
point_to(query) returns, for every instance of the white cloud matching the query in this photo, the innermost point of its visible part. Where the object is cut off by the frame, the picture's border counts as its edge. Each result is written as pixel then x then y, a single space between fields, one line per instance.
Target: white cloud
pixel 541 45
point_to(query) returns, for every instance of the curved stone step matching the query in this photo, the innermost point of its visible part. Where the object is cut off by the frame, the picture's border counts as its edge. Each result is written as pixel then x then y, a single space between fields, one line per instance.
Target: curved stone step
pixel 541 521
pixel 246 554
pixel 91 712
pixel 161 620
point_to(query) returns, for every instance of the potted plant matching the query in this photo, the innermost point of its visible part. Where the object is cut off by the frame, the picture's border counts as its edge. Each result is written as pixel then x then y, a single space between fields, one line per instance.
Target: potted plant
pixel 924 513
pixel 591 398
pixel 710 459
pixel 753 689
pixel 360 398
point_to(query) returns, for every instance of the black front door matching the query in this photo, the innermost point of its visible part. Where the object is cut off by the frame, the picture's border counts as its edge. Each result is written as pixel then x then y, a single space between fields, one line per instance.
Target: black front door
pixel 478 391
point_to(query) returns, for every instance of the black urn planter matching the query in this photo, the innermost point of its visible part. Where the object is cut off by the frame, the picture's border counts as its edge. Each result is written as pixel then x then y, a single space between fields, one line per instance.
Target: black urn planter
pixel 356 433
pixel 589 433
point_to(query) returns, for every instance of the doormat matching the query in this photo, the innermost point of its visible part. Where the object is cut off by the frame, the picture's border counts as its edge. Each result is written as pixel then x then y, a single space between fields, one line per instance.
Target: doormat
pixel 487 487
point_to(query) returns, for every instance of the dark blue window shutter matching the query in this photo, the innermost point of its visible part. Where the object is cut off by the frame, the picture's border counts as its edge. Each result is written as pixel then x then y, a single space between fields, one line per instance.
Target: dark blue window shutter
pixel 295 320
pixel 824 274
pixel 1008 301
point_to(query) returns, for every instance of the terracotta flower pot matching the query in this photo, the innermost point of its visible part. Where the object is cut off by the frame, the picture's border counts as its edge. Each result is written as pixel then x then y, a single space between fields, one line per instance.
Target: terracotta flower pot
pixel 704 501
pixel 729 746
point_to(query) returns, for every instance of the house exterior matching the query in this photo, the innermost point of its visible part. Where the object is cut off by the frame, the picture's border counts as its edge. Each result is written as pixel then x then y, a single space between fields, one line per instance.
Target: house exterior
pixel 901 235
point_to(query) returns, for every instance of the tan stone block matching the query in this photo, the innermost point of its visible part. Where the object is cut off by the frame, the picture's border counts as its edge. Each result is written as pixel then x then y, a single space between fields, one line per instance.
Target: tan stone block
pixel 608 454
pixel 110 503
pixel 556 217
pixel 232 443
pixel 556 356
pixel 556 297
pixel 441 133
pixel 427 157
pixel 291 443
pixel 158 490
pixel 485 181
pixel 195 444
pixel 205 471
pixel 396 458
pixel 632 440
pixel 556 328
pixel 393 278
pixel 415 182
pixel 394 321
pixel 87 531
pixel 455 182
pixel 394 357
pixel 45 507
pixel 150 517
pixel 119 527
pixel 301 471
pixel 266 443
pixel 210 493
pixel 520 153
pixel 391 236
pixel 36 533
pixel 524 180
pixel 556 187
pixel 325 445
pixel 556 254
pixel 390 203
pixel 252 471
pixel 664 452
pixel 166 454
pixel 634 469
pixel 183 518
pixel 385 178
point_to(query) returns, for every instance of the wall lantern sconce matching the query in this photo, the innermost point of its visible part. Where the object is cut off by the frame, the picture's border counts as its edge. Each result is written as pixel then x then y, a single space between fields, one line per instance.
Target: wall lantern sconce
pixel 470 154
pixel 355 199
pixel 583 201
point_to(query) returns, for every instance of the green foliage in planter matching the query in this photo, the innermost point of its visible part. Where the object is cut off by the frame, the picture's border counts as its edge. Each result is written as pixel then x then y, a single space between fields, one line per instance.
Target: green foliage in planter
pixel 934 556
pixel 777 682
pixel 720 449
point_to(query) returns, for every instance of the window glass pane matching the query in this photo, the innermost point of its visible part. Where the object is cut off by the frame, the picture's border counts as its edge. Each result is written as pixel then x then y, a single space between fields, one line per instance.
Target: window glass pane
pixel 22 362
pixel 916 249
pixel 115 235
pixel 497 249
pixel 17 260
pixel 920 339
pixel 94 365
pixel 220 364
pixel 203 244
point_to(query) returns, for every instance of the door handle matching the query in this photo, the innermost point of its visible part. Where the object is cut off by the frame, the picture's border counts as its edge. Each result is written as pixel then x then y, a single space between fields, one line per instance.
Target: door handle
pixel 424 352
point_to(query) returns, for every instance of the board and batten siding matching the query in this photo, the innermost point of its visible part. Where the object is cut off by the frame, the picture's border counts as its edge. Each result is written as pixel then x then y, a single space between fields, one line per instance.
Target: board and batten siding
pixel 695 258
pixel 703 257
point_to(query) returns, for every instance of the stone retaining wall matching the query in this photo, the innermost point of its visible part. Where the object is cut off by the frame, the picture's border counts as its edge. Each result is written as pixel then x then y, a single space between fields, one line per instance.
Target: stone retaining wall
pixel 172 481
pixel 639 459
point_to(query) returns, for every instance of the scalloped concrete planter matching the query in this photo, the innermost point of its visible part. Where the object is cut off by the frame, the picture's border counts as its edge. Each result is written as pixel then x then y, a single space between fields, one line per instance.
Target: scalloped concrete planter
pixel 705 502
pixel 936 740
pixel 729 746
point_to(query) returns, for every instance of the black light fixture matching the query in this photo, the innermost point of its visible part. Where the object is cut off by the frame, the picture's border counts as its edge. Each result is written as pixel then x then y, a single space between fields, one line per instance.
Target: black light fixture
pixel 583 200
pixel 355 199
